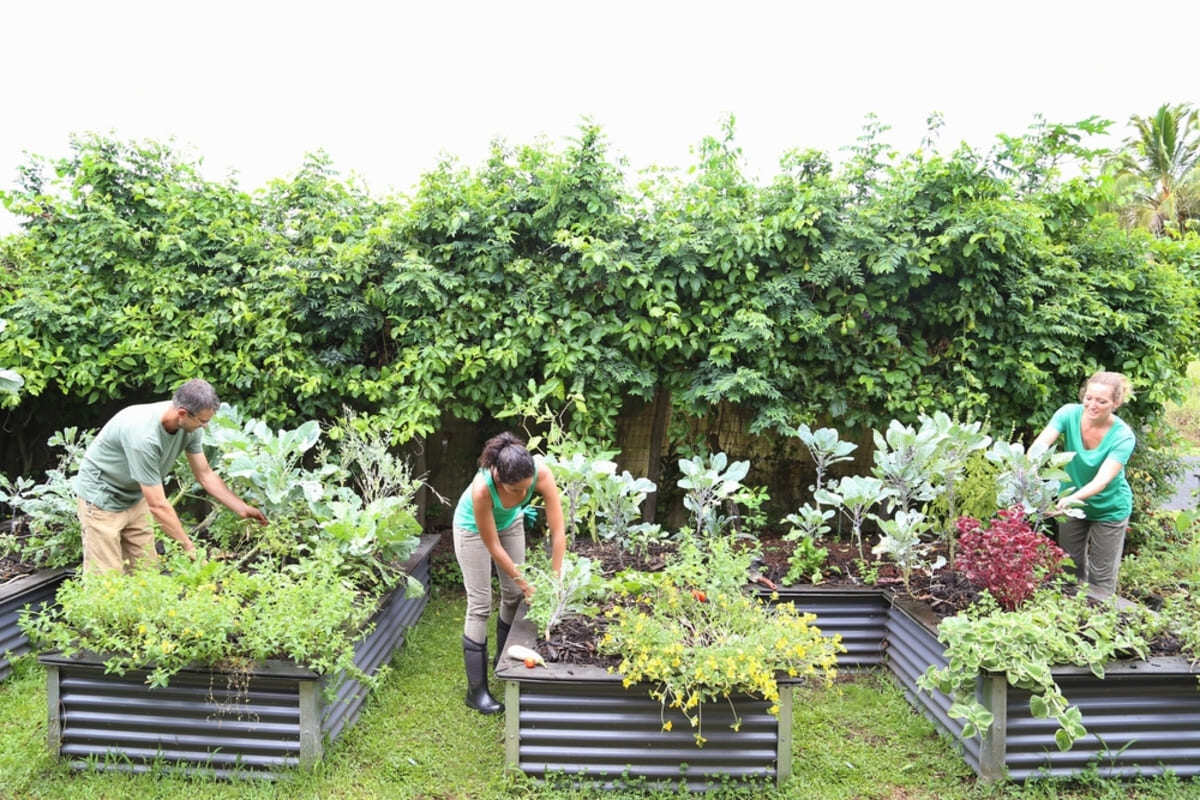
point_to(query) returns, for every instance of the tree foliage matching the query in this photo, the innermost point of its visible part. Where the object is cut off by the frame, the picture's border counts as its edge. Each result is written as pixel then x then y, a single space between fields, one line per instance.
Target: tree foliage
pixel 978 283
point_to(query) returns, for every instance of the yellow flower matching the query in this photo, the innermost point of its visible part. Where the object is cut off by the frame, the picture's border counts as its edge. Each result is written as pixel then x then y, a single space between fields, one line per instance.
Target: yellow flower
pixel 142 629
pixel 667 725
pixel 170 612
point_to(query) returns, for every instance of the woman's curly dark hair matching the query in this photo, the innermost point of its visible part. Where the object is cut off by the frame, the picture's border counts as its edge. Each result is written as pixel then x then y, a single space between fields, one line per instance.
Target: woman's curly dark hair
pixel 507 456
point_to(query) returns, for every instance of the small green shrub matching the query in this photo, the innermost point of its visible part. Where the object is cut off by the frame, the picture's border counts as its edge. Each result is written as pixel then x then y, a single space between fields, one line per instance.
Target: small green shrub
pixel 1154 471
pixel 52 537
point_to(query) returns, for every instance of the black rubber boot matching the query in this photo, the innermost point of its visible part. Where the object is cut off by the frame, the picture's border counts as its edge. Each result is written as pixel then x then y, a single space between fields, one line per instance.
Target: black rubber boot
pixel 478 696
pixel 502 629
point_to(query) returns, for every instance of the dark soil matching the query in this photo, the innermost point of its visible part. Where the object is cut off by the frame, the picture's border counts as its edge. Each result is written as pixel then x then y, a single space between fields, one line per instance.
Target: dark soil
pixel 11 567
pixel 612 559
pixel 573 641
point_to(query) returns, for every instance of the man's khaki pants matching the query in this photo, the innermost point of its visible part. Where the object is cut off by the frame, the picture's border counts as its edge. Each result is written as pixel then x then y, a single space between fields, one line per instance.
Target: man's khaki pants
pixel 116 540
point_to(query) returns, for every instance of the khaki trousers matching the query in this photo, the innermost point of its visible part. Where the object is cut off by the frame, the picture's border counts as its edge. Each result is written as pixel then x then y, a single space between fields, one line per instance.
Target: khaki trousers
pixel 116 540
pixel 1095 547
pixel 476 564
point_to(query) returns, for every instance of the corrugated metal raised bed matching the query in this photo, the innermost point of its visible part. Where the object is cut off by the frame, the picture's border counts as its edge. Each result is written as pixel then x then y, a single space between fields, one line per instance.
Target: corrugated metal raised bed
pixel 579 721
pixel 277 719
pixel 858 614
pixel 35 590
pixel 1142 717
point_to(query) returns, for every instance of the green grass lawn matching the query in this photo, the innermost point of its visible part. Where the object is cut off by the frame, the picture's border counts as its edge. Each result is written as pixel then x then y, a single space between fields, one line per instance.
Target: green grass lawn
pixel 416 739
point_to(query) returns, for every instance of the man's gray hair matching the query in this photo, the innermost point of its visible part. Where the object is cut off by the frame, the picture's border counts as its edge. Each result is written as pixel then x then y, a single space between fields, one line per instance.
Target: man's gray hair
pixel 196 395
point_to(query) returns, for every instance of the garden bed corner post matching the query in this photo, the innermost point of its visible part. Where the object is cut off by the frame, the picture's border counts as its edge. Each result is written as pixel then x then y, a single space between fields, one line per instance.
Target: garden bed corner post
pixel 783 751
pixel 512 725
pixel 993 688
pixel 54 711
pixel 311 744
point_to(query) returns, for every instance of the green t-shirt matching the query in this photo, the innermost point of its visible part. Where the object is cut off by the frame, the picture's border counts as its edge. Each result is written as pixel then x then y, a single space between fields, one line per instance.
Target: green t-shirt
pixel 464 512
pixel 1114 502
pixel 133 449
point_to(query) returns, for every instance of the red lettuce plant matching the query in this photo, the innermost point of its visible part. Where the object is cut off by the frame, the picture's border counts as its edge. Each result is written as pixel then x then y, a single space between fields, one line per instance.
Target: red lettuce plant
pixel 1008 558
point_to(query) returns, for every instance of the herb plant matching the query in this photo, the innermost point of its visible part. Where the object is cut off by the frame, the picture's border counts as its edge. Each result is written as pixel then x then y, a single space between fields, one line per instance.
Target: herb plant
pixel 806 526
pixel 208 613
pixel 1050 629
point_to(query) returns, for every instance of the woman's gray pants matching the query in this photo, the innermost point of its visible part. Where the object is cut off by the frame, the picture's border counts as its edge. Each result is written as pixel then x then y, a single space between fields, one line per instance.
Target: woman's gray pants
pixel 1095 547
pixel 476 564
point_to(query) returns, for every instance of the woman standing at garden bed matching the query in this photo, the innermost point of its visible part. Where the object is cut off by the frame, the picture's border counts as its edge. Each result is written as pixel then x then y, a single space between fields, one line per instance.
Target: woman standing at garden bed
pixel 489 527
pixel 1102 443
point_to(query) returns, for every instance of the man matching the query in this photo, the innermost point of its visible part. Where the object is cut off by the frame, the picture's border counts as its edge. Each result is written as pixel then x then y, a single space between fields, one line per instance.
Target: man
pixel 121 478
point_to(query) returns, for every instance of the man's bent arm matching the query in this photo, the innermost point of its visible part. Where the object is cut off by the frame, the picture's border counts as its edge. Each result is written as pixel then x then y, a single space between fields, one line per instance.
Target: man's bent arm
pixel 164 513
pixel 216 488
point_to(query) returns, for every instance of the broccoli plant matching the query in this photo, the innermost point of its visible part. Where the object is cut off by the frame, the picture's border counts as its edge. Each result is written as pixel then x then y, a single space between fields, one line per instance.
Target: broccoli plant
pixel 596 495
pixel 908 461
pixel 1032 480
pixel 709 484
pixel 855 495
pixel 267 463
pixel 825 448
pixel 556 597
pixel 615 501
pixel 373 540
pixel 901 541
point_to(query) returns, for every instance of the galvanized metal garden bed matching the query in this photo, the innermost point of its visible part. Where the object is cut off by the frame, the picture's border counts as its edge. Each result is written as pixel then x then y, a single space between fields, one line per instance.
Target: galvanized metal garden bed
pixel 33 590
pixel 1142 717
pixel 858 614
pixel 207 722
pixel 581 723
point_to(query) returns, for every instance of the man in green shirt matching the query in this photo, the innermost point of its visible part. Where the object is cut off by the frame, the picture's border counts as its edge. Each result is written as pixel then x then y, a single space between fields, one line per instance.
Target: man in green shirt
pixel 120 481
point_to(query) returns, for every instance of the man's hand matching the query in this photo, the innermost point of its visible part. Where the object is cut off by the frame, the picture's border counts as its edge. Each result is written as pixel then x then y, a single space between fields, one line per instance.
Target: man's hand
pixel 189 547
pixel 250 512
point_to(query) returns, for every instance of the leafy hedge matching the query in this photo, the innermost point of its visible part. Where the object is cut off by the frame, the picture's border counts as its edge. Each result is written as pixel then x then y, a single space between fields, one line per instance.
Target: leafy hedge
pixel 977 282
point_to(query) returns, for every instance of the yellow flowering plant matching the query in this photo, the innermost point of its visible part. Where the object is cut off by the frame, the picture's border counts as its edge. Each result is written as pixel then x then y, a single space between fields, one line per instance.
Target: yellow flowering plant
pixel 692 648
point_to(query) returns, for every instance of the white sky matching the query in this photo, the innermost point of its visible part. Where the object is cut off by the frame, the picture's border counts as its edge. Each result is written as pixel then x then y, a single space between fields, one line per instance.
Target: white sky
pixel 386 87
